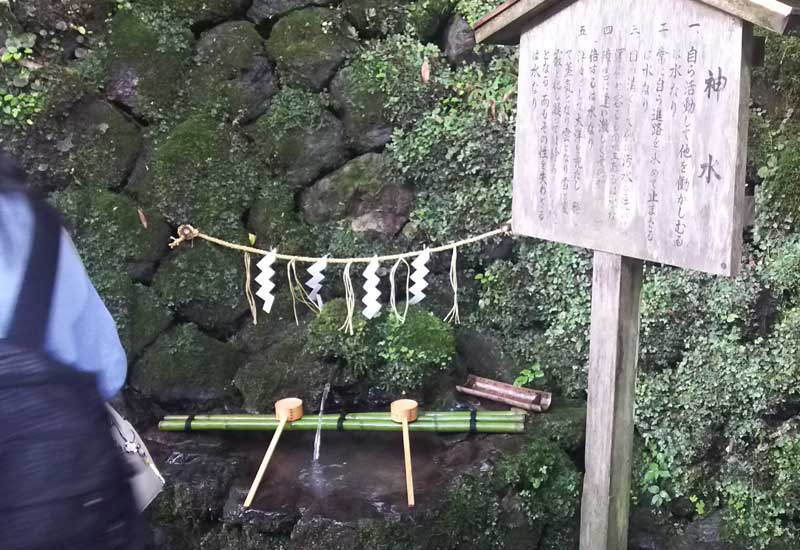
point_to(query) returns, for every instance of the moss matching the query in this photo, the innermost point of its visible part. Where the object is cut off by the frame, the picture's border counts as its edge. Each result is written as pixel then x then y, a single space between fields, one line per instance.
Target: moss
pixel 146 57
pixel 565 424
pixel 309 45
pixel 106 145
pixel 109 232
pixel 232 74
pixel 389 70
pixel 205 284
pixel 365 118
pixel 274 220
pixel 471 520
pixel 187 367
pixel 376 18
pixel 201 174
pixel 298 138
pixel 413 350
pixel 282 370
pixel 333 197
pixel 328 341
pixel 192 12
pixel 232 538
pixel 782 66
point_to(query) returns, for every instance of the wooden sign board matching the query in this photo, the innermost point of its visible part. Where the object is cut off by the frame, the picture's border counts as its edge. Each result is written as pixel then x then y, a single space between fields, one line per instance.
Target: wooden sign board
pixel 632 131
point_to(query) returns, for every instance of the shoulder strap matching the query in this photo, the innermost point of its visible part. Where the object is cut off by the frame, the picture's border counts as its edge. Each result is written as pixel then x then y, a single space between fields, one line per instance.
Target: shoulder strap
pixel 32 313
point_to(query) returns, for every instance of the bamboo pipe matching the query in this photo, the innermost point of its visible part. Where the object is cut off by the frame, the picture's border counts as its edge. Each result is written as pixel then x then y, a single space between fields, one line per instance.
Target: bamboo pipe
pixel 287 410
pixel 445 426
pixel 405 411
pixel 426 415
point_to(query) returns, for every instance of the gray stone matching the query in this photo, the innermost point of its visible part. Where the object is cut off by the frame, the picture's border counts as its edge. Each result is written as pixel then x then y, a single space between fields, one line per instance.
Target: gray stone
pixel 316 533
pixel 459 39
pixel 265 10
pixel 705 533
pixel 361 190
pixel 362 109
pixel 232 71
pixel 262 521
pixel 309 45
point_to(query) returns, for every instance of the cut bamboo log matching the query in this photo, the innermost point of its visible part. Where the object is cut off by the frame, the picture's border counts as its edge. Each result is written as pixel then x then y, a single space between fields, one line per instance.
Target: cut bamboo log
pixel 286 410
pixel 523 398
pixel 405 411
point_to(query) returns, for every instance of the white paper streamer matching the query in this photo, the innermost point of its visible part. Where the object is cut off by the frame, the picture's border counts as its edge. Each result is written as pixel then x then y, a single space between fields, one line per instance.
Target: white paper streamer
pixel 315 282
pixel 371 292
pixel 418 276
pixel 264 280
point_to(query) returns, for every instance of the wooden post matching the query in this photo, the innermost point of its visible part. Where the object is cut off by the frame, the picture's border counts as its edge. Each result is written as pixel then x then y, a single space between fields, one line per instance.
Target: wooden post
pixel 613 354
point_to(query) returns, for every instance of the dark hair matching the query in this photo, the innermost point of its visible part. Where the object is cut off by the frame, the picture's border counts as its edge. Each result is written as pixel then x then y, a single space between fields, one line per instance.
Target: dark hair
pixel 12 176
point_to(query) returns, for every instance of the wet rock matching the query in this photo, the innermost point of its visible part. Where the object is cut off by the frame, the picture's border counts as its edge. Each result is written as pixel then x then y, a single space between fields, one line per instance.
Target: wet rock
pixel 232 72
pixel 309 45
pixel 197 485
pixel 360 103
pixel 143 74
pixel 364 191
pixel 316 533
pixel 298 139
pixel 203 285
pixel 50 15
pixel 705 533
pixel 518 534
pixel 270 522
pixel 646 532
pixel 266 10
pixel 459 39
pixel 282 370
pixel 186 367
pixel 480 355
pixel 564 423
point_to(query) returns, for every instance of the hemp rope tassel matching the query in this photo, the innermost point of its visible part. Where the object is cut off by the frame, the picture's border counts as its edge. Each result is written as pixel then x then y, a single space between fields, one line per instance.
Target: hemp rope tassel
pixel 248 290
pixel 393 297
pixel 298 292
pixel 349 300
pixel 453 315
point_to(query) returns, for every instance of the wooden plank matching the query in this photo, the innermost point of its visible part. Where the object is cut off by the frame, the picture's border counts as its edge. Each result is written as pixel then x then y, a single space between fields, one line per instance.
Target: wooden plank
pixel 631 131
pixel 616 295
pixel 505 24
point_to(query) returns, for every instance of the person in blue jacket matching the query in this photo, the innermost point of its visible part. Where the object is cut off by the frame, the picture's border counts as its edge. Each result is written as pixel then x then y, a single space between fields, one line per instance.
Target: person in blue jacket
pixel 63 483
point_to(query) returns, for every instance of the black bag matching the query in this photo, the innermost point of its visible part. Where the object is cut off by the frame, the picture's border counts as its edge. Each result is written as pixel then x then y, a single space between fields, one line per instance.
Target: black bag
pixel 63 483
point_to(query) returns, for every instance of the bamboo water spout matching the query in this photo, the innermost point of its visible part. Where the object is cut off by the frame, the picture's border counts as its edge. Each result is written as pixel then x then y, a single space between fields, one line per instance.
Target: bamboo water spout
pixel 404 411
pixel 286 410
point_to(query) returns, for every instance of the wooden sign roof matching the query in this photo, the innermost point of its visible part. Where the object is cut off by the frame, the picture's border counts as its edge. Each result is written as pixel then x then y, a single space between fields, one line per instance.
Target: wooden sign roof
pixel 504 25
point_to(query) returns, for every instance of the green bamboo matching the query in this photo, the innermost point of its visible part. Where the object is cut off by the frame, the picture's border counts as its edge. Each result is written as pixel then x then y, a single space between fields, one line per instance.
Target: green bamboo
pixel 311 424
pixel 423 416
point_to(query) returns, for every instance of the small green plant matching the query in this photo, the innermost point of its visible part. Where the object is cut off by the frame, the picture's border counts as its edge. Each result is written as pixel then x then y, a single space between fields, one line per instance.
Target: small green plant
pixel 699 505
pixel 485 278
pixel 20 93
pixel 529 376
pixel 655 477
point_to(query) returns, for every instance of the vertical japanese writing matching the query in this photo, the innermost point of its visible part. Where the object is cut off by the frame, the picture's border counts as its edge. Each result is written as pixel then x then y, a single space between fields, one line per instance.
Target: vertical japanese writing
pixel 536 76
pixel 591 113
pixel 601 171
pixel 566 133
pixel 543 137
pixel 629 136
pixel 619 57
pixel 685 152
pixel 557 112
pixel 654 164
pixel 577 171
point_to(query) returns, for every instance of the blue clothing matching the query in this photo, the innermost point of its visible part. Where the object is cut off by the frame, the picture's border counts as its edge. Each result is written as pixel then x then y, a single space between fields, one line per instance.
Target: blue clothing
pixel 81 332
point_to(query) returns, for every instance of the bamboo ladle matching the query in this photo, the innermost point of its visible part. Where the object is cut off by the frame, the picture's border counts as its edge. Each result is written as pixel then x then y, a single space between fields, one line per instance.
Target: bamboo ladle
pixel 404 411
pixel 286 410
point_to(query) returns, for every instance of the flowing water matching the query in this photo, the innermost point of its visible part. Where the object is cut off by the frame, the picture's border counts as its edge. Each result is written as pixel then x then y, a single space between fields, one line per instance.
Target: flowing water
pixel 318 437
